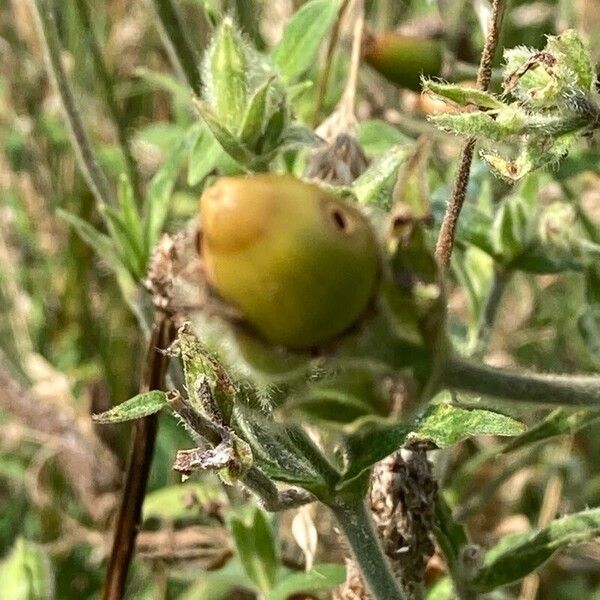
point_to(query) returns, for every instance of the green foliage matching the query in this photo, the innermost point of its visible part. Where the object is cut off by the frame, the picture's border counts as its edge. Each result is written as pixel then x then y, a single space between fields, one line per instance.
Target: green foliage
pixel 293 427
pixel 255 544
pixel 302 36
pixel 555 104
pixel 173 502
pixel 26 573
pixel 320 578
pixel 442 424
pixel 142 405
pixel 516 555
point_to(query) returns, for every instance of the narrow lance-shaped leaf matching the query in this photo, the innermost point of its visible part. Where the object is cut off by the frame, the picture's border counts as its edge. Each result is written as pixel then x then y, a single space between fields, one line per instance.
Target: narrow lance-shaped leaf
pixel 375 185
pixel 558 422
pixel 227 84
pixel 256 548
pixel 100 242
pixel 230 144
pixel 142 405
pixel 518 555
pixel 461 94
pixel 207 155
pixel 255 116
pixel 161 188
pixel 302 37
pixel 131 254
pixel 131 215
pixel 166 82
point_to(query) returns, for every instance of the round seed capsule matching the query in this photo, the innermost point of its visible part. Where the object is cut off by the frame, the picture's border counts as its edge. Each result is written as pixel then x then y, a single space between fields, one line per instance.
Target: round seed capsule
pixel 298 262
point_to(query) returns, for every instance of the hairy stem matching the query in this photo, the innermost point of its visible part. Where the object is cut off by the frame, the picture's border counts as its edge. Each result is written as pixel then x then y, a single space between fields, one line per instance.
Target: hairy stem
pixel 492 304
pixel 254 479
pixel 568 390
pixel 138 466
pixel 355 522
pixel 445 243
pixel 180 47
pixel 107 84
pixel 271 498
pixel 88 163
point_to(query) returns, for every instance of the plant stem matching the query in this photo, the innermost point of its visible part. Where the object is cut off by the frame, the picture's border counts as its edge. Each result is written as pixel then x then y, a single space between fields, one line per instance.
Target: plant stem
pixel 355 522
pixel 500 280
pixel 181 49
pixel 272 499
pixel 254 479
pixel 568 390
pixel 445 243
pixel 107 84
pixel 138 466
pixel 323 80
pixel 88 163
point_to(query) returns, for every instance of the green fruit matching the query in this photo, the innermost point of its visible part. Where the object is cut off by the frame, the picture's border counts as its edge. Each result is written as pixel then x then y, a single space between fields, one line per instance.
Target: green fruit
pixel 403 59
pixel 298 262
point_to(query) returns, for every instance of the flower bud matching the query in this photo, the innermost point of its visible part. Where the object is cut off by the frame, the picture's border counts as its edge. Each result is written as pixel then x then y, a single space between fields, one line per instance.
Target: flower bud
pixel 227 85
pixel 298 262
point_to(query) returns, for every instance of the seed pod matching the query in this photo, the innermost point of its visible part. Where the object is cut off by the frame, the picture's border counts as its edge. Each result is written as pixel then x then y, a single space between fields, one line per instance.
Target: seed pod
pixel 403 59
pixel 298 262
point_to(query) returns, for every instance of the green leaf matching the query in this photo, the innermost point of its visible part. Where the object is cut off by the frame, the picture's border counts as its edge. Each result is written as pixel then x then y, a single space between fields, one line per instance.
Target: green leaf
pixel 376 137
pixel 219 584
pixel 445 424
pixel 228 141
pixel 338 399
pixel 375 186
pixel 462 94
pixel 161 187
pixel 575 55
pixel 200 363
pixel 473 124
pixel 227 85
pixel 558 422
pixel 206 156
pixel 255 545
pixel 302 36
pixel 297 136
pixel 442 590
pixel 372 440
pixel 337 409
pixel 509 233
pixel 320 578
pixel 450 535
pixel 173 502
pixel 26 573
pixel 130 252
pixel 161 134
pixel 274 450
pixel 255 116
pixel 166 82
pixel 102 244
pixel 515 556
pixel 542 259
pixel 142 405
pixel 131 216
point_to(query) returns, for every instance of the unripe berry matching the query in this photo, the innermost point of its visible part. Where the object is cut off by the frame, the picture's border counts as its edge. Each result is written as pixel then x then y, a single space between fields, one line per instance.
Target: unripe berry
pixel 298 262
pixel 403 59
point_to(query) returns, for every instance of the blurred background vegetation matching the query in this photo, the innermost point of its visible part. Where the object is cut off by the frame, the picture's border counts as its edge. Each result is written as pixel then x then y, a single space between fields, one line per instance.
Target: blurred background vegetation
pixel 69 344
